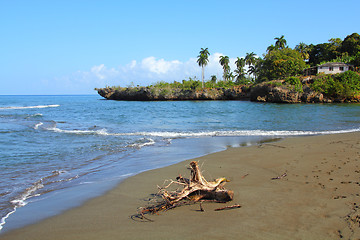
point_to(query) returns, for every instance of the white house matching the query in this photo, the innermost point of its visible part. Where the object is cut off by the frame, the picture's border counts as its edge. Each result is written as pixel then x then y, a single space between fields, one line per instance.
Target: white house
pixel 333 67
pixel 328 68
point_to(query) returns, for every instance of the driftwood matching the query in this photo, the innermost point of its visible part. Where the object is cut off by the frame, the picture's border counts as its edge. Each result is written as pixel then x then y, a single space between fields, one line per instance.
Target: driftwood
pixel 228 207
pixel 279 177
pixel 194 189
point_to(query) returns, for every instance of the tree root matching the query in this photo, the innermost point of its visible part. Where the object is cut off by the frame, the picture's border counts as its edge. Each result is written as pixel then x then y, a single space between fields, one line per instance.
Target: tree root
pixel 194 189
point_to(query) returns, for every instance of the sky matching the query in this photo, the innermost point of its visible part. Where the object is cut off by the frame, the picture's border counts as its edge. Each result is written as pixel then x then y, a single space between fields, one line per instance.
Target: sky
pixel 73 46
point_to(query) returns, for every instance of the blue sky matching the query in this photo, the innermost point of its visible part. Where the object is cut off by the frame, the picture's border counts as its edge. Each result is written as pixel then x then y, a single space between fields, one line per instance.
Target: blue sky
pixel 73 46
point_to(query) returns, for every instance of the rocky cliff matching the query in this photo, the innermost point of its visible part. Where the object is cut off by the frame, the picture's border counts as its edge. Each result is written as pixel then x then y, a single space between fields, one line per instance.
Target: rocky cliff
pixel 155 94
pixel 275 92
pixel 267 92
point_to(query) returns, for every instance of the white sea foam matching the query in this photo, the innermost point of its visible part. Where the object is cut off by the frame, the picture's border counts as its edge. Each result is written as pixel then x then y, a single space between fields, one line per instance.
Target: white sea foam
pixel 3 220
pixel 143 143
pixel 21 200
pixel 30 107
pixel 36 115
pixel 98 132
pixel 30 192
pixel 205 133
pixel 38 125
pixel 234 133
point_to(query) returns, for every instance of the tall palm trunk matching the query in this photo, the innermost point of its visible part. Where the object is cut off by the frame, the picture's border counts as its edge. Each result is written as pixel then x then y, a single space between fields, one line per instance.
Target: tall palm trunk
pixel 202 75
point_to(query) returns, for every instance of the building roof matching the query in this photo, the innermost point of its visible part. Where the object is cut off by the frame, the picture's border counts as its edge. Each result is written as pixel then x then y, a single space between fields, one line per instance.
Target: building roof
pixel 334 64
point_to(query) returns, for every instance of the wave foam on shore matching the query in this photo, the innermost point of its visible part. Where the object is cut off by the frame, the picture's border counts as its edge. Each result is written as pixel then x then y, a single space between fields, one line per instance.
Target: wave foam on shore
pixel 176 134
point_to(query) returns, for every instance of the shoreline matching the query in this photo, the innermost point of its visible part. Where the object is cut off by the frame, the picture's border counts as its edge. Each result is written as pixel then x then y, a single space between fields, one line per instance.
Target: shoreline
pixel 317 199
pixel 45 206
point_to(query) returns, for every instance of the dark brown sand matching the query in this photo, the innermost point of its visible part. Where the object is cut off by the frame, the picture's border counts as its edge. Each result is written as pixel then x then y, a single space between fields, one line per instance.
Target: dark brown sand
pixel 317 199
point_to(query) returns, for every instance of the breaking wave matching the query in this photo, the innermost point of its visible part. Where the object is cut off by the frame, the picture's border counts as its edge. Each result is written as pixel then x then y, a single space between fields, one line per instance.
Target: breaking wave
pixel 142 143
pixel 84 132
pixel 175 134
pixel 38 125
pixel 30 107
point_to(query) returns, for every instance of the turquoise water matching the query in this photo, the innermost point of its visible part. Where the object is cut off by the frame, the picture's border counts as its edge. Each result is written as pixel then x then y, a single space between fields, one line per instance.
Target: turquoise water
pixel 50 145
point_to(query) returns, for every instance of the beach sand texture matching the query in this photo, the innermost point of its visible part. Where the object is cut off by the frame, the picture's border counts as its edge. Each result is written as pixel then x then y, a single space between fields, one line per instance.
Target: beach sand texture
pixel 319 197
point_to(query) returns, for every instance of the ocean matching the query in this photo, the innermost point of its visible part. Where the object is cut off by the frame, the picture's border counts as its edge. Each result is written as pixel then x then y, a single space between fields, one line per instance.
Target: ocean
pixel 56 152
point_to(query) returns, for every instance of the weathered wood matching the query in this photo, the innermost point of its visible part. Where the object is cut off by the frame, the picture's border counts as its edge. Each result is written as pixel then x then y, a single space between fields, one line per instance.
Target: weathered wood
pixel 194 189
pixel 228 207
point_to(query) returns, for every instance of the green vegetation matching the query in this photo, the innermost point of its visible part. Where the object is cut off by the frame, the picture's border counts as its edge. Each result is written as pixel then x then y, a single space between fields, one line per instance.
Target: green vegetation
pixel 341 85
pixel 280 64
pixel 193 84
pixel 283 66
pixel 240 71
pixel 347 51
pixel 224 62
pixel 203 60
pixel 296 83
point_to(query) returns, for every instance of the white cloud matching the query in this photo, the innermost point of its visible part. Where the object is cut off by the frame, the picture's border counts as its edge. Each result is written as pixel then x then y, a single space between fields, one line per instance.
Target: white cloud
pixel 148 71
pixel 132 64
pixel 159 66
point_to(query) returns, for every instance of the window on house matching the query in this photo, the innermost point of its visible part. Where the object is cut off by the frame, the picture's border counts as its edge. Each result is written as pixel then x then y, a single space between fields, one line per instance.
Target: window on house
pixel 341 68
pixel 331 68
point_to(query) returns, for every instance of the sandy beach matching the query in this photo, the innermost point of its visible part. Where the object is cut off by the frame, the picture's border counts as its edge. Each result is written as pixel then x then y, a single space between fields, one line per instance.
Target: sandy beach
pixel 318 197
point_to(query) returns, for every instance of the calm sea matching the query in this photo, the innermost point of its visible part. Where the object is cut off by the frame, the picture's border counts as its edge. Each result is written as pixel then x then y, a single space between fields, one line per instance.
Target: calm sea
pixel 58 151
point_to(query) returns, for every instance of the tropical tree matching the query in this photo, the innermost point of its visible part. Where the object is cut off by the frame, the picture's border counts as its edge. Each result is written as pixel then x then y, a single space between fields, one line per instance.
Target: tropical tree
pixel 303 49
pixel 250 60
pixel 203 60
pixel 230 76
pixel 239 71
pixel 337 42
pixel 255 69
pixel 280 64
pixel 351 44
pixel 240 62
pixel 280 42
pixel 356 61
pixel 323 52
pixel 252 70
pixel 224 61
pixel 271 48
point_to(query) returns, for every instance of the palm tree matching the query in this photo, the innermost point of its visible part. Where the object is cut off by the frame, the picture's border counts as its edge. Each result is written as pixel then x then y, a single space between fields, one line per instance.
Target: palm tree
pixel 224 61
pixel 240 72
pixel 252 70
pixel 280 42
pixel 230 76
pixel 250 58
pixel 240 62
pixel 213 78
pixel 270 48
pixel 303 49
pixel 203 60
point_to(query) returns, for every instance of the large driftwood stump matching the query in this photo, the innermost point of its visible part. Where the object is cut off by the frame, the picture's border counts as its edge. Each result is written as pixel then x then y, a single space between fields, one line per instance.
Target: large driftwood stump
pixel 194 189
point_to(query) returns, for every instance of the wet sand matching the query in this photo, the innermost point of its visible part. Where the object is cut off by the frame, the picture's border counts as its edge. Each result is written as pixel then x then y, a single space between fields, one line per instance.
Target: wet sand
pixel 319 198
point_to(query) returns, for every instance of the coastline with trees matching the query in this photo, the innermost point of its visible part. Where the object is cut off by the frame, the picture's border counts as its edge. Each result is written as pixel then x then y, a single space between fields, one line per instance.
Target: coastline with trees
pixel 278 76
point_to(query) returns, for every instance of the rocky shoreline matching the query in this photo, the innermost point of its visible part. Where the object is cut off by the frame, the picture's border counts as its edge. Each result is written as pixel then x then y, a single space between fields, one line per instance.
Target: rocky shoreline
pixel 274 92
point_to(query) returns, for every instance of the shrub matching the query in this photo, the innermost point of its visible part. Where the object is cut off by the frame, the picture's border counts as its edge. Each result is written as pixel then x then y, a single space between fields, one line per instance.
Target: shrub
pixel 296 82
pixel 341 85
pixel 275 83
